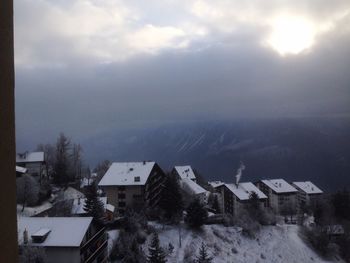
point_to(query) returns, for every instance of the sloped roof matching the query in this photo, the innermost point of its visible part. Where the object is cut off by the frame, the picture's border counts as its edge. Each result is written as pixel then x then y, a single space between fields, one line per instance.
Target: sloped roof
pixel 279 186
pixel 30 157
pixel 308 187
pixel 65 231
pixel 216 183
pixel 125 173
pixel 195 188
pixel 20 169
pixel 244 190
pixel 185 171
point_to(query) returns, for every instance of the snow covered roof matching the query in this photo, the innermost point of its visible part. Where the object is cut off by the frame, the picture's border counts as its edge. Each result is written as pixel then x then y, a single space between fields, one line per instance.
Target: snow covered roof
pixel 64 231
pixel 216 183
pixel 244 190
pixel 30 157
pixel 279 186
pixel 185 171
pixel 20 169
pixel 72 193
pixel 194 187
pixel 128 173
pixel 308 187
pixel 110 207
pixel 78 205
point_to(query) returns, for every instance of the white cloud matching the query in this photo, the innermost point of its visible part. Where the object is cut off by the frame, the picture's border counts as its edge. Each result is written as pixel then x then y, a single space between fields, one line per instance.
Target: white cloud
pixel 61 32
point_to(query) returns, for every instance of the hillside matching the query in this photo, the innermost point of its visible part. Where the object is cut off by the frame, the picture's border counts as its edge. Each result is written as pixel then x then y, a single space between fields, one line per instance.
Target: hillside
pixel 295 149
pixel 274 244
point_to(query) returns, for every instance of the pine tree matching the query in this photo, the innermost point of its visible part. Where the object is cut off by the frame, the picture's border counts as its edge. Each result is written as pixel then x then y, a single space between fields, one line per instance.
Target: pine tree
pixel 156 253
pixel 93 205
pixel 61 166
pixel 171 198
pixel 196 214
pixel 203 256
pixel 215 205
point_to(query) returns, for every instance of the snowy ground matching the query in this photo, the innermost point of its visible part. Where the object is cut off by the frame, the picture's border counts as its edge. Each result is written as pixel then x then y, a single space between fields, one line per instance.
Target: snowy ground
pixel 31 211
pixel 274 244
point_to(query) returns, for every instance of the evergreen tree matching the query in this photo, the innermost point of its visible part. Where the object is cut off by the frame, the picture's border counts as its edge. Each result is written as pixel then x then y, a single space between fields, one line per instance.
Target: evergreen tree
pixel 171 199
pixel 196 214
pixel 93 205
pixel 203 256
pixel 216 205
pixel 341 204
pixel 61 166
pixel 156 253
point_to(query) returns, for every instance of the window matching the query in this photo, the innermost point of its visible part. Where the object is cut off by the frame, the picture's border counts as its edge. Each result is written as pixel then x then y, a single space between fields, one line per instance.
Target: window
pixel 121 204
pixel 135 196
pixel 137 179
pixel 121 196
pixel 121 188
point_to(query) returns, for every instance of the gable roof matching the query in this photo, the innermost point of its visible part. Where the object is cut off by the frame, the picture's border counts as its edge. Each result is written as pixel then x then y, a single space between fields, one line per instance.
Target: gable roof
pixel 65 231
pixel 194 187
pixel 185 171
pixel 127 173
pixel 308 187
pixel 244 190
pixel 279 186
pixel 30 157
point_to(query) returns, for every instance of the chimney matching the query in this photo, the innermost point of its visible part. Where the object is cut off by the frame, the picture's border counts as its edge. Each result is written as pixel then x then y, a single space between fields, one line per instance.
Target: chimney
pixel 144 162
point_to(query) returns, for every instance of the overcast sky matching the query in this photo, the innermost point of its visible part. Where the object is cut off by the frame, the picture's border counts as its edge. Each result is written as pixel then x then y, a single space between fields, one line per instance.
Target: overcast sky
pixel 84 66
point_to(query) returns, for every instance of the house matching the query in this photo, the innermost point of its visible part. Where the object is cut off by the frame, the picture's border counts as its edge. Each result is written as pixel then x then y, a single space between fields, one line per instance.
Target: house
pixel 281 195
pixel 308 193
pixel 34 162
pixel 132 184
pixel 65 239
pixel 235 196
pixel 20 171
pixel 194 189
pixel 184 172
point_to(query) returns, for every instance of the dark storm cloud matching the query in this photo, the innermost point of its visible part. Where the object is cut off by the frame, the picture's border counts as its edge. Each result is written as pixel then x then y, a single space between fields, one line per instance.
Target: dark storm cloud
pixel 66 82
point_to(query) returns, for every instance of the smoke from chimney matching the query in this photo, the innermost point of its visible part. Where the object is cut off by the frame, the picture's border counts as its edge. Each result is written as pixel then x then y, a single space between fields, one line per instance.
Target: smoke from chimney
pixel 239 173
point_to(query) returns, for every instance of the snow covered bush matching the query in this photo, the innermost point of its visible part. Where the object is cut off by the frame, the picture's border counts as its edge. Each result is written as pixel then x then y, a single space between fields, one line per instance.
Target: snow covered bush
pixel 196 214
pixel 30 254
pixel 27 189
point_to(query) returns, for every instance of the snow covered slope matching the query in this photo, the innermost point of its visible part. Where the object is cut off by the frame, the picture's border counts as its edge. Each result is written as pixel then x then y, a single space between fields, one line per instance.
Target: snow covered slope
pixel 274 244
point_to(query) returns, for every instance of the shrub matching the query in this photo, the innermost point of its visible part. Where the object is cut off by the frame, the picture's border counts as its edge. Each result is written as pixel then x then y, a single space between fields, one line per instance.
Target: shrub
pixel 196 214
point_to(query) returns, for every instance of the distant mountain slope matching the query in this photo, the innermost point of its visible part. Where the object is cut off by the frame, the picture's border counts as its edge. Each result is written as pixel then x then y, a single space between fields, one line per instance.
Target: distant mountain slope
pixel 295 149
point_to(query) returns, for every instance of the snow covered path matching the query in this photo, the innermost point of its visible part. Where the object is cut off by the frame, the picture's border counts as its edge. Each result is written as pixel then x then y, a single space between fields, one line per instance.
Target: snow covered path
pixel 274 244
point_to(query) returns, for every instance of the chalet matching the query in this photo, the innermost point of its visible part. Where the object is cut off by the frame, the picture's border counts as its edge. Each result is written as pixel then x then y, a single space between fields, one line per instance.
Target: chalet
pixel 184 172
pixel 194 189
pixel 233 196
pixel 308 193
pixel 281 195
pixel 34 162
pixel 131 184
pixel 65 239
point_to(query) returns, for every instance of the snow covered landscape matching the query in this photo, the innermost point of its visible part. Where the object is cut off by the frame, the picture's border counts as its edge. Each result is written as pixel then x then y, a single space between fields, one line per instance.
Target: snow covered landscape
pixel 273 244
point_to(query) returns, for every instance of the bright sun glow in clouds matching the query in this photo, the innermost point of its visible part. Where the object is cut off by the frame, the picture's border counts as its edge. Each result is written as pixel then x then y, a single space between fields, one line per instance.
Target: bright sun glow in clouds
pixel 291 35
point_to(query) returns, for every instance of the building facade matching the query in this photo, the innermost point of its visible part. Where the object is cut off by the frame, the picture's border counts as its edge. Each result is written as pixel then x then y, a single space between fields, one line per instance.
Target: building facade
pixel 308 194
pixel 234 197
pixel 34 162
pixel 133 184
pixel 64 239
pixel 282 197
